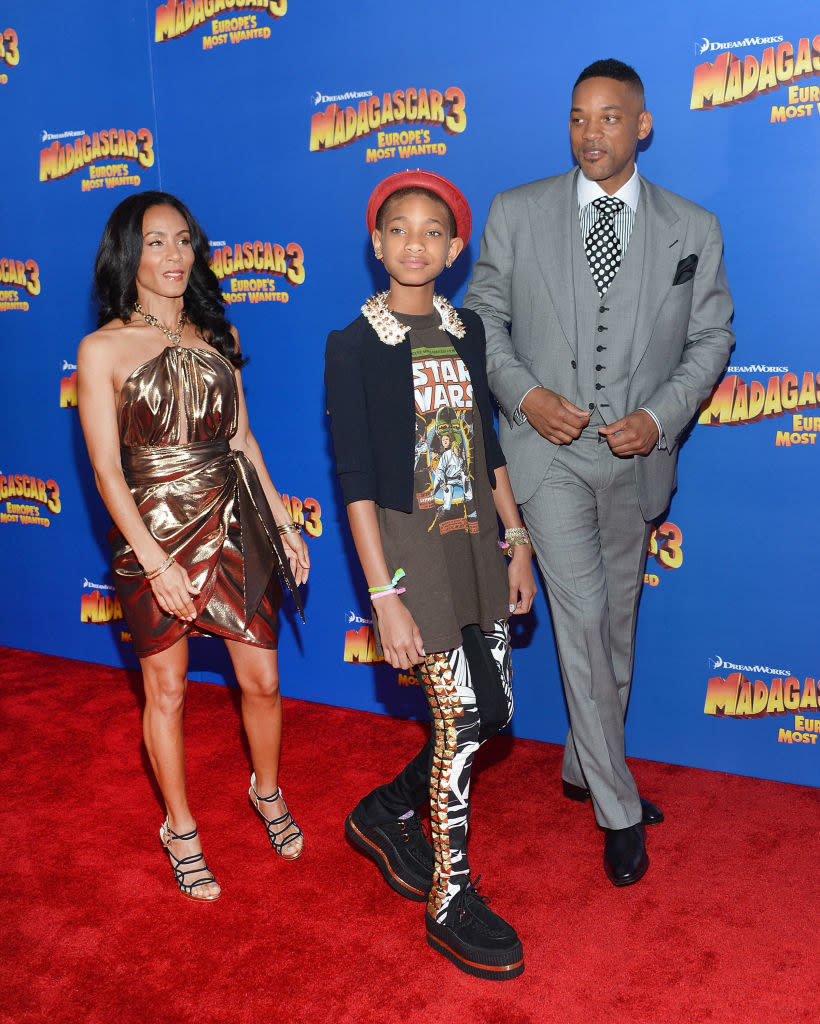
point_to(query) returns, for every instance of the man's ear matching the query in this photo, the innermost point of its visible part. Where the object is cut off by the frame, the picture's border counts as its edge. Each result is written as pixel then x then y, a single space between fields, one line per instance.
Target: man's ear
pixel 644 124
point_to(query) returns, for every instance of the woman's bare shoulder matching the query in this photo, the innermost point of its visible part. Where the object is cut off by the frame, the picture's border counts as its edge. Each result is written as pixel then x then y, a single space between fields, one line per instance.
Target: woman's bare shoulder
pixel 107 344
pixel 105 337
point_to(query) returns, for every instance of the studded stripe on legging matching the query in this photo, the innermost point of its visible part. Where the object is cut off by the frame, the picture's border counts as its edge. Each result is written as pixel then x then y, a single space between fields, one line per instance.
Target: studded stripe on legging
pixel 456 728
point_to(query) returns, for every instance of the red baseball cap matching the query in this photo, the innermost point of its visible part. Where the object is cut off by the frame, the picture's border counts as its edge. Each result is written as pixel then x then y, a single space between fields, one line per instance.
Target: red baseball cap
pixel 440 186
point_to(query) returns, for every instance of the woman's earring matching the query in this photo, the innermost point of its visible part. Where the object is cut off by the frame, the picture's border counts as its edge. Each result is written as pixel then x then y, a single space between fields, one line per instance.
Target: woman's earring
pixel 449 263
pixel 377 253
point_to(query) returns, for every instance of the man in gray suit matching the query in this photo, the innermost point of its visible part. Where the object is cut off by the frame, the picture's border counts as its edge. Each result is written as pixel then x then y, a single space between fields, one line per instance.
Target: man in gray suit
pixel 608 321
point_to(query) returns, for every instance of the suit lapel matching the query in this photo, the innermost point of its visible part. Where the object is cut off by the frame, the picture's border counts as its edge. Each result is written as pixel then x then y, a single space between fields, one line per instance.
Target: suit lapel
pixel 553 216
pixel 661 255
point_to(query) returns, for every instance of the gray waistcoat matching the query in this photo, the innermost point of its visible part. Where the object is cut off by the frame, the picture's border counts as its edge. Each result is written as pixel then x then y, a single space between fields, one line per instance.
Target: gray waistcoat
pixel 606 326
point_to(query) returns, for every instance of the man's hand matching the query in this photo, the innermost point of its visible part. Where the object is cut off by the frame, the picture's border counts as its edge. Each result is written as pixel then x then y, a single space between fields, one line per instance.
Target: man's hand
pixel 553 416
pixel 635 434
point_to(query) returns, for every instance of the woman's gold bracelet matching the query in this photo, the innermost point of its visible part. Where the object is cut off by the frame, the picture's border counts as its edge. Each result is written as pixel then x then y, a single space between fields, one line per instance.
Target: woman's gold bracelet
pixel 152 575
pixel 289 528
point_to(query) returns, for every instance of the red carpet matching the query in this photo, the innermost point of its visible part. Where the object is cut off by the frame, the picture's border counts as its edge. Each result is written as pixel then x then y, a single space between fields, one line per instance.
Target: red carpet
pixel 723 928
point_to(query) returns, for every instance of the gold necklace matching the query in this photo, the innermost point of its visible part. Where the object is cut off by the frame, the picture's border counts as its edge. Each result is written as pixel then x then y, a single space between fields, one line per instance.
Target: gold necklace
pixel 175 336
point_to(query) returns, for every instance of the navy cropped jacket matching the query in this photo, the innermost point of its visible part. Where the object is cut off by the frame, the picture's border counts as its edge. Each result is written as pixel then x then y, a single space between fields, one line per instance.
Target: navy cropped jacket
pixel 372 411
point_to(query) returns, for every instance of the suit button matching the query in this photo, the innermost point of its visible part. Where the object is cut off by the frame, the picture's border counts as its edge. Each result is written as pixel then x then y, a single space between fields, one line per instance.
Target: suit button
pixel 601 328
pixel 592 405
pixel 574 365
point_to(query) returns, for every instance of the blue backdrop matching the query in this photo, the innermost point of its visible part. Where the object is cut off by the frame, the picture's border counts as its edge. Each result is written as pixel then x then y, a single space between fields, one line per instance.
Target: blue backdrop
pixel 273 120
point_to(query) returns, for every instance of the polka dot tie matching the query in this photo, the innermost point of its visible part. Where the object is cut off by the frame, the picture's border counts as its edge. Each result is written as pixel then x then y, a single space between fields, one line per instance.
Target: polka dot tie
pixel 602 246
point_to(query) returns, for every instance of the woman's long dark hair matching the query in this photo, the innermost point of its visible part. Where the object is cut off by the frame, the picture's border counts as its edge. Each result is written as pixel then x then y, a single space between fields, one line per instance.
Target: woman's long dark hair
pixel 118 257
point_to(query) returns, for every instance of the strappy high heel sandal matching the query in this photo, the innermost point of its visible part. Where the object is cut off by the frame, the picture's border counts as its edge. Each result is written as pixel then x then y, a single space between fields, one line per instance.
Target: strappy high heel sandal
pixel 282 831
pixel 192 865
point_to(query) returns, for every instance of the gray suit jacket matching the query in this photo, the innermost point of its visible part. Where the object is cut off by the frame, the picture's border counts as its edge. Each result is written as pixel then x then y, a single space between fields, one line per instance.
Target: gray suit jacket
pixel 522 287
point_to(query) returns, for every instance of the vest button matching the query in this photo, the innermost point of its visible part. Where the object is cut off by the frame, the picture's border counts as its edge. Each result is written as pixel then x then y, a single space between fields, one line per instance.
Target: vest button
pixel 601 328
pixel 592 405
pixel 598 367
pixel 574 365
pixel 600 348
pixel 603 309
pixel 600 387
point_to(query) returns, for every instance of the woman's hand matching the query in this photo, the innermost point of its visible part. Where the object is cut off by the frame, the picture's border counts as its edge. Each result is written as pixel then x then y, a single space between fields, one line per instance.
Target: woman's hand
pixel 398 632
pixel 298 557
pixel 173 590
pixel 521 580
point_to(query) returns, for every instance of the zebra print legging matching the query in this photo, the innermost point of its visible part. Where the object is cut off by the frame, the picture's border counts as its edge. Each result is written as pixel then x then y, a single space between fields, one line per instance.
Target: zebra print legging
pixel 458 731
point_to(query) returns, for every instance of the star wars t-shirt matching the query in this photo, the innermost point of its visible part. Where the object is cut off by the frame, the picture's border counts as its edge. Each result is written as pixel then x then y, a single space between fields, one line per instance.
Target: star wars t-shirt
pixel 448 545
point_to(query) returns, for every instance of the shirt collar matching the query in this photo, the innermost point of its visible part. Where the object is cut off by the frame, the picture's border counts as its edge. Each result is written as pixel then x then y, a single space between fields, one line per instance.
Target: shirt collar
pixel 630 192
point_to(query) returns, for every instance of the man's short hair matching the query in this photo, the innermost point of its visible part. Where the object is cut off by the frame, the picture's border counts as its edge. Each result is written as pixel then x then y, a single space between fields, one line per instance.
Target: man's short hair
pixel 611 68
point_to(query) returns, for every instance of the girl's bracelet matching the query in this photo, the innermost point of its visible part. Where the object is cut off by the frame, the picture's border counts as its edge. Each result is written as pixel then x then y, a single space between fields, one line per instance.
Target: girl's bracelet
pixel 152 575
pixel 289 528
pixel 389 590
pixel 514 536
pixel 399 574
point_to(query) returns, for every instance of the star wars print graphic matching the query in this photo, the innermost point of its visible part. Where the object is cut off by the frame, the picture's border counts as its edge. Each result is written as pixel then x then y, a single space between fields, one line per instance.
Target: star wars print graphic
pixel 444 438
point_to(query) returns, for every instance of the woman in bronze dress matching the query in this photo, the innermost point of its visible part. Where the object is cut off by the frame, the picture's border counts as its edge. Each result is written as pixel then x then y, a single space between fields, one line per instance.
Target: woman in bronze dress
pixel 200 535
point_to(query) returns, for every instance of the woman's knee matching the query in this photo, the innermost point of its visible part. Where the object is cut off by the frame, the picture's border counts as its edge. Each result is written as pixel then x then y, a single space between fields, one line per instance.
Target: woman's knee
pixel 165 692
pixel 256 669
pixel 263 685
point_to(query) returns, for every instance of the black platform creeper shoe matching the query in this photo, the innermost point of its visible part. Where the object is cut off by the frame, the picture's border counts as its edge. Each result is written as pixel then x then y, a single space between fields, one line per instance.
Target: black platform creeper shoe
pixel 400 850
pixel 476 939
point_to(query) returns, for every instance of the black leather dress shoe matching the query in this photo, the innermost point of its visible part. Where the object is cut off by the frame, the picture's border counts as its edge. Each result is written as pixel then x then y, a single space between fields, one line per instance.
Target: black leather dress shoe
pixel 651 815
pixel 625 859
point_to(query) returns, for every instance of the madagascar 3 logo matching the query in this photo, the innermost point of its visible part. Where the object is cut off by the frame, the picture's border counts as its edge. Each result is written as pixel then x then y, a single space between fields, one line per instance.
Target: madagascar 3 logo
pixel 99 603
pixel 360 644
pixel 360 647
pixel 38 497
pixel 741 694
pixel 306 513
pixel 266 263
pixel 736 402
pixel 61 159
pixel 9 53
pixel 179 17
pixel 68 385
pixel 19 279
pixel 731 79
pixel 666 547
pixel 380 119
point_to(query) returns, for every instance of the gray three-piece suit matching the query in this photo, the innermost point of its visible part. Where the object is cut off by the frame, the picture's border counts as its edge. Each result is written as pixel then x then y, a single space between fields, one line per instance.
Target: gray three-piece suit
pixel 659 338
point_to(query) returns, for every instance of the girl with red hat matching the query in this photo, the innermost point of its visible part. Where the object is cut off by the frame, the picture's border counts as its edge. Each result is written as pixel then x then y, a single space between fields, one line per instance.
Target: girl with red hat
pixel 424 482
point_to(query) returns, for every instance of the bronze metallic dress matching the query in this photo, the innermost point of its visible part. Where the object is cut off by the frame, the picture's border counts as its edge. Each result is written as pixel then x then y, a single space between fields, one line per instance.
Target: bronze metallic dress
pixel 201 500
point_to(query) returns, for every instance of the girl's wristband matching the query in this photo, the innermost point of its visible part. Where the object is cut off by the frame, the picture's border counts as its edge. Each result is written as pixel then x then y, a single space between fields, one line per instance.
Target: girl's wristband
pixel 384 592
pixel 397 575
